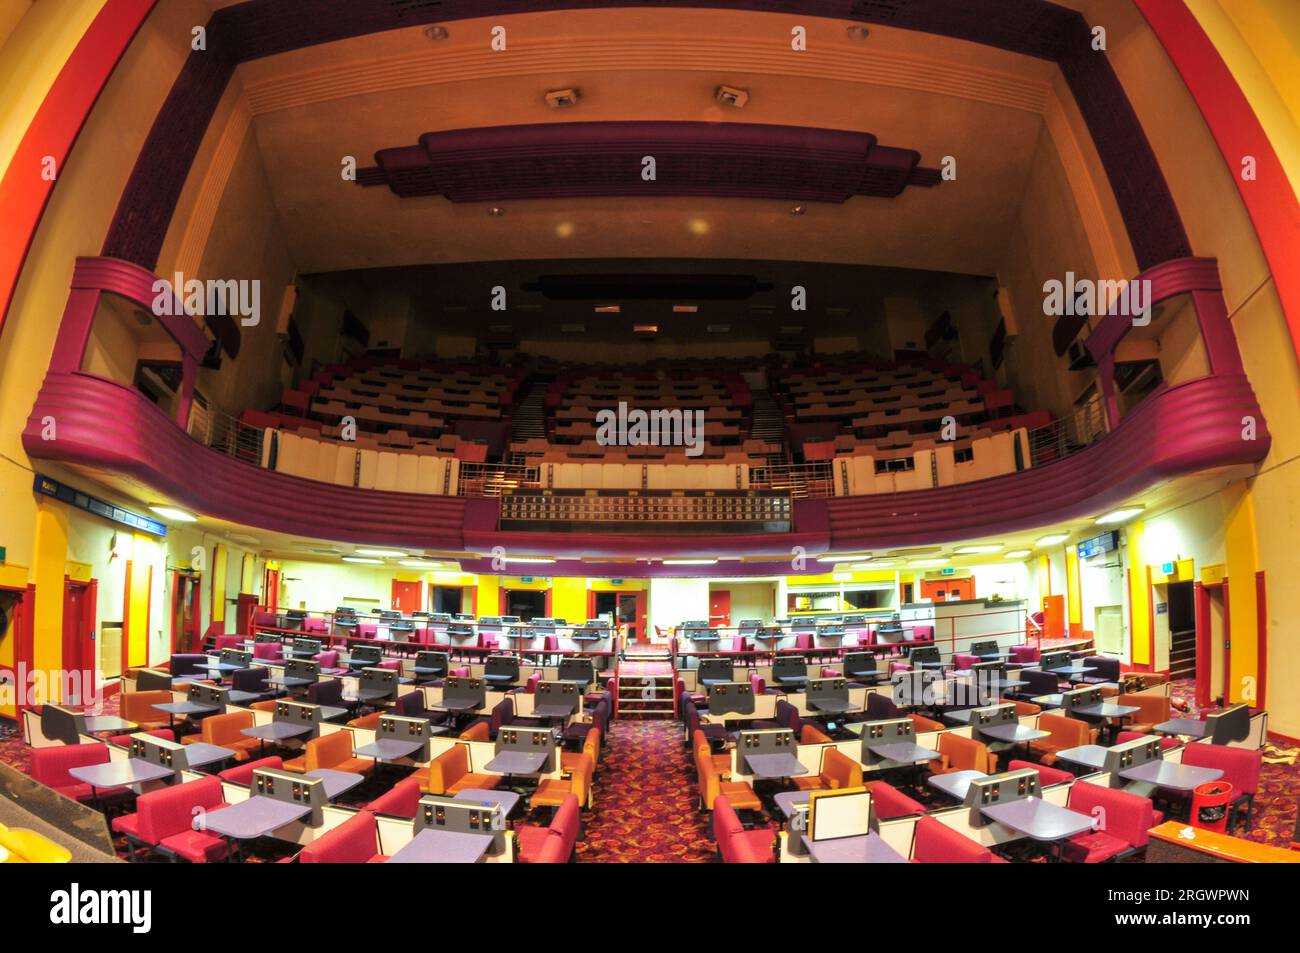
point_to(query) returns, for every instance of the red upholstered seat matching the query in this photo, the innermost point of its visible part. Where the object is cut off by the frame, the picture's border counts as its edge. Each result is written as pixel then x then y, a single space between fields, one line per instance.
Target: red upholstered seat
pixel 553 844
pixel 737 845
pixel 355 841
pixel 124 741
pixel 243 773
pixel 937 843
pixel 1128 818
pixel 889 802
pixel 50 767
pixel 403 800
pixel 1046 775
pixel 165 819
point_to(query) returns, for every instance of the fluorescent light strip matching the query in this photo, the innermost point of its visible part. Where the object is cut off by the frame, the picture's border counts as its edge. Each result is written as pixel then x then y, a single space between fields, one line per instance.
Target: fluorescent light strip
pixel 363 559
pixel 382 553
pixel 1051 539
pixel 690 562
pixel 974 550
pixel 1120 515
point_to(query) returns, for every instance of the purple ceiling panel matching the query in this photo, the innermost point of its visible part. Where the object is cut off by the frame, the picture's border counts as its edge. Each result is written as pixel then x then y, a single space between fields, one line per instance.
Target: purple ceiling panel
pixel 585 159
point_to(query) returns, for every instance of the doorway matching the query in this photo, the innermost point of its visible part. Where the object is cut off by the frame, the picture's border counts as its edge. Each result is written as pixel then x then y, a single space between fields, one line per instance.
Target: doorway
pixel 408 597
pixel 453 600
pixel 79 641
pixel 1213 653
pixel 527 604
pixel 1181 607
pixel 720 608
pixel 186 636
pixel 626 608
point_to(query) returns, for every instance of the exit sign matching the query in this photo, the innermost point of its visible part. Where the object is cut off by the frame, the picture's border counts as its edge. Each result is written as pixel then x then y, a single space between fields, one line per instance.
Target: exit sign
pixel 1167 568
pixel 525 579
pixel 616 582
pixel 947 572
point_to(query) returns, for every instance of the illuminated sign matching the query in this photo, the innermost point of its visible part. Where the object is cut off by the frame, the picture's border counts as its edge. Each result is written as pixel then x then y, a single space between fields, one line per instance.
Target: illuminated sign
pixel 93 504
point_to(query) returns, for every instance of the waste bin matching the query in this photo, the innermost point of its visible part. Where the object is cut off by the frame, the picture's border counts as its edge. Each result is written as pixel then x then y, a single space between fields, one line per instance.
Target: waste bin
pixel 1211 804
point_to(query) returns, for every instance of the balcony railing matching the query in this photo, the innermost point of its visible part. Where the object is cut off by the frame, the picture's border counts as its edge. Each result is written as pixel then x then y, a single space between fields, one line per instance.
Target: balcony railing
pixel 226 434
pixel 492 479
pixel 1068 435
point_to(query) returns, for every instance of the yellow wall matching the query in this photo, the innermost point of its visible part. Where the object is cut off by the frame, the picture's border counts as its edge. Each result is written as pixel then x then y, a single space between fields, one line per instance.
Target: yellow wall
pixel 1074 596
pixel 47 573
pixel 1139 594
pixel 143 552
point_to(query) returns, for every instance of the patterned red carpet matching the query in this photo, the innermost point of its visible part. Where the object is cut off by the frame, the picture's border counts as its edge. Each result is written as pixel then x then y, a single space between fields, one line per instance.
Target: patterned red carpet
pixel 645 804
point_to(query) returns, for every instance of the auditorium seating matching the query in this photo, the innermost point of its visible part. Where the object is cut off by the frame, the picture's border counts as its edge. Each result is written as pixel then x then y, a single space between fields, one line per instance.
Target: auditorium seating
pixel 449 773
pixel 1240 767
pixel 735 844
pixel 352 842
pixel 838 771
pixel 50 767
pixel 1063 733
pixel 1128 817
pixel 936 843
pixel 163 822
pixel 553 844
pixel 226 731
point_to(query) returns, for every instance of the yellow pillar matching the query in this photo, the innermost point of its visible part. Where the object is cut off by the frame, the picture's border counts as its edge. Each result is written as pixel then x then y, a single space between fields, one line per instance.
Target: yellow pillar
pixel 1243 609
pixel 218 584
pixel 51 556
pixel 1139 598
pixel 1073 597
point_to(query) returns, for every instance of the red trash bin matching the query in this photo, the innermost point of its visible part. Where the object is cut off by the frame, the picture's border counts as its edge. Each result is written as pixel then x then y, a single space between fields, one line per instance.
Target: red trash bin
pixel 1210 806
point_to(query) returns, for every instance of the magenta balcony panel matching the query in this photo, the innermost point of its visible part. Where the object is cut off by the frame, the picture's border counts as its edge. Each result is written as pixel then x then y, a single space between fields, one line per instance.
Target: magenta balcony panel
pixel 1196 426
pixel 103 426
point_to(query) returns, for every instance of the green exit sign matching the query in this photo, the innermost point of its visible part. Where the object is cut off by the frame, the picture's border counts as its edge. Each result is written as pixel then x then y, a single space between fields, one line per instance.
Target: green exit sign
pixel 1167 568
pixel 616 582
pixel 525 579
pixel 2 554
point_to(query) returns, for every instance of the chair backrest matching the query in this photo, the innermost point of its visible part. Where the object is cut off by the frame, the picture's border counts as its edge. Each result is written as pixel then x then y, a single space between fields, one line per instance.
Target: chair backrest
pixel 1240 766
pixel 328 691
pixel 888 801
pixel 328 659
pixel 1126 815
pixel 880 707
pixel 726 825
pixel 1046 775
pixel 591 745
pixel 228 727
pixel 50 765
pixel 937 843
pixel 410 704
pixel 964 660
pixel 581 778
pixel 138 706
pixel 1065 732
pixel 354 841
pixel 709 782
pixel 565 824
pixel 187 664
pixel 243 773
pixel 249 679
pixel 812 735
pixel 402 800
pixel 839 770
pixel 966 754
pixel 329 750
pixel 448 768
pixel 1106 666
pixel 1038 682
pixel 1024 653
pixel 476 732
pixel 787 716
pixel 229 642
pixel 171 810
pixel 503 712
pixel 1154 709
pixel 530 686
pixel 803 640
pixel 757 684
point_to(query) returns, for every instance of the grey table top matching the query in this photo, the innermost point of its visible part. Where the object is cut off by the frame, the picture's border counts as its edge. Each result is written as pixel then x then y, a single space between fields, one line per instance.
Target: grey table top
pixel 867 849
pixel 1167 774
pixel 98 723
pixel 958 716
pixel 903 751
pixel 388 749
pixel 219 666
pixel 330 712
pixel 1052 700
pixel 375 694
pixel 1191 727
pixel 201 753
pixel 456 705
pixel 507 799
pixel 954 783
pixel 120 774
pixel 254 817
pixel 835 706
pixel 277 730
pixel 1038 819
pixel 775 765
pixel 336 782
pixel 1090 756
pixel 1069 670
pixel 432 846
pixel 787 802
pixel 186 708
pixel 517 762
pixel 1013 732
pixel 1105 710
pixel 235 696
pixel 551 711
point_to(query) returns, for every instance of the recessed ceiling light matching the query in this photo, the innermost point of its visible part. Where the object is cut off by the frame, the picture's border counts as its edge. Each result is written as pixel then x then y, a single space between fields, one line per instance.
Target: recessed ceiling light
pixel 690 562
pixel 698 226
pixel 857 32
pixel 646 329
pixel 872 565
pixel 732 96
pixel 685 308
pixel 973 550
pixel 798 209
pixel 843 557
pixel 608 308
pixel 496 211
pixel 420 564
pixel 523 559
pixel 1051 539
pixel 928 562
pixel 383 553
pixel 1017 554
pixel 363 559
pixel 564 230
pixel 172 513
pixel 435 32
pixel 1119 515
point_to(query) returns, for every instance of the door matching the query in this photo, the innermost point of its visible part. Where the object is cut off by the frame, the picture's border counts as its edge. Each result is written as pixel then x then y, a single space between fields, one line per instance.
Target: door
pixel 631 615
pixel 1213 642
pixel 271 589
pixel 79 641
pixel 408 597
pixel 186 636
pixel 720 608
pixel 528 604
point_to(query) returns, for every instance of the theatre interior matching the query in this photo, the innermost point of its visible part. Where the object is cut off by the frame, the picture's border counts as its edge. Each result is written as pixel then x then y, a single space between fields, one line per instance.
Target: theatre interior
pixel 600 432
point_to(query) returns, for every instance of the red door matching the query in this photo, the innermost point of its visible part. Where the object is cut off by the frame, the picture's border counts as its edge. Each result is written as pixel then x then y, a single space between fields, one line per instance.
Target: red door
pixel 720 607
pixel 408 597
pixel 78 640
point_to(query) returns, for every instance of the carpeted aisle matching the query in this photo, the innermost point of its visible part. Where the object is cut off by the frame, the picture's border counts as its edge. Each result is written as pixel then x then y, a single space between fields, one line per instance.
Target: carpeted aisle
pixel 645 808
